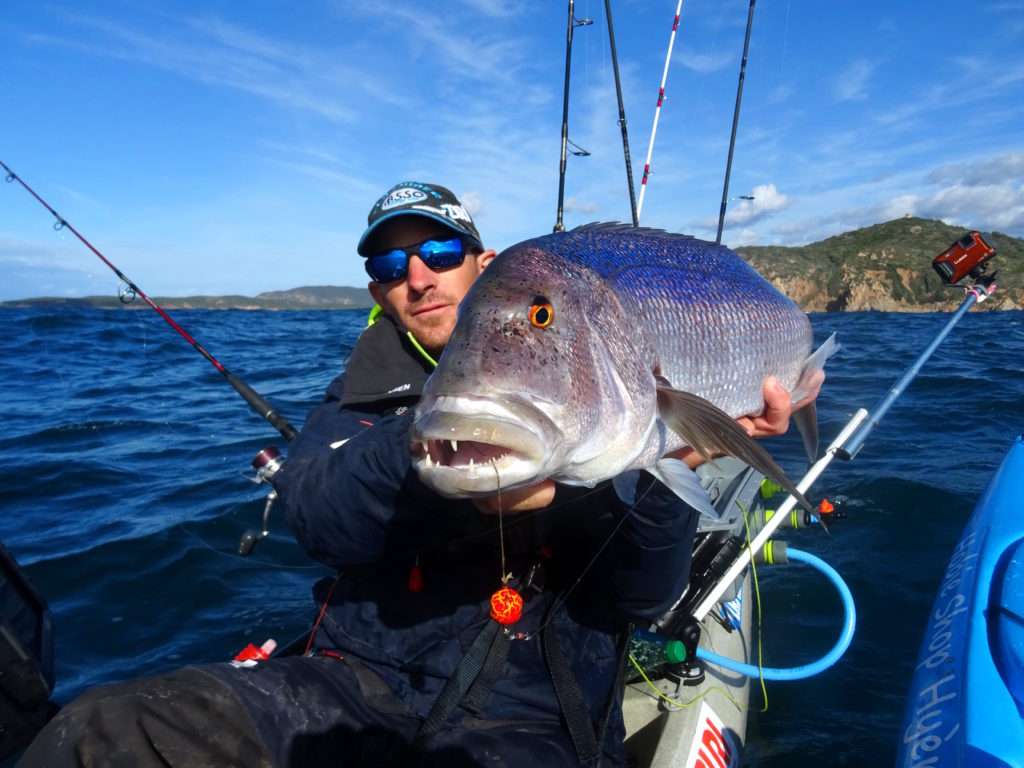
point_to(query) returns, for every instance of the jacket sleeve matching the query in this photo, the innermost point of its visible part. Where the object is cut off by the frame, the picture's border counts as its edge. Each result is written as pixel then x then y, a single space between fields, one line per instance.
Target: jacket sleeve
pixel 348 489
pixel 652 552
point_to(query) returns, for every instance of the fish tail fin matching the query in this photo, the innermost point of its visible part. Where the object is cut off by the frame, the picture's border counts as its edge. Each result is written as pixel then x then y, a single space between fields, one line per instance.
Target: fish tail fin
pixel 806 419
pixel 814 363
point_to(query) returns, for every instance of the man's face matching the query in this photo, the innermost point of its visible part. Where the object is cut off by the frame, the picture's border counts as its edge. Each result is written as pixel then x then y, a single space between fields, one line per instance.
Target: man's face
pixel 424 302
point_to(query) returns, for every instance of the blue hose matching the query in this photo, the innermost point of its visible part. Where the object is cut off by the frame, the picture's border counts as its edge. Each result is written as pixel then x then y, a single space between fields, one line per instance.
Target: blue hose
pixel 807 670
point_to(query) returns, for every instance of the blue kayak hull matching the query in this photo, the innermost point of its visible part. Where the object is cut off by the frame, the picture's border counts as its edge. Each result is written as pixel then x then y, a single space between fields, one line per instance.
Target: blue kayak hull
pixel 966 702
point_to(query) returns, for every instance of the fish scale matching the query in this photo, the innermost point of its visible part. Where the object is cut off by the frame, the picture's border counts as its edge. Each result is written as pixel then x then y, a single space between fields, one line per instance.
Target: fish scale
pixel 718 326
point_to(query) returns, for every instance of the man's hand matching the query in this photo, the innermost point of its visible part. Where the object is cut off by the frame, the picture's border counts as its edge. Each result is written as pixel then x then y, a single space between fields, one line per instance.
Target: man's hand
pixel 771 422
pixel 519 499
pixel 774 419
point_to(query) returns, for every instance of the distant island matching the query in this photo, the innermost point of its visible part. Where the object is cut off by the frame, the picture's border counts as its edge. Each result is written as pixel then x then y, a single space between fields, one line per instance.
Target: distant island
pixel 306 297
pixel 884 267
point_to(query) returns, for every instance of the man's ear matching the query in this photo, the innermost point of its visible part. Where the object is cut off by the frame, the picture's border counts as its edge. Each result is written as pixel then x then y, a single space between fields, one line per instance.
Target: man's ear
pixel 374 288
pixel 485 258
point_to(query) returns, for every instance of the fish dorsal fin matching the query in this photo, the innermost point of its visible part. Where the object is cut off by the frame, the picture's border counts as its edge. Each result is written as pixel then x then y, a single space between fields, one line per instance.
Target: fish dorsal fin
pixel 618 227
pixel 710 430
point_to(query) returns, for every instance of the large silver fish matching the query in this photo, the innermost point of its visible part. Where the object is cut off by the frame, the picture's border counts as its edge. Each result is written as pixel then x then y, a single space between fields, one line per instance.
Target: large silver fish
pixel 580 355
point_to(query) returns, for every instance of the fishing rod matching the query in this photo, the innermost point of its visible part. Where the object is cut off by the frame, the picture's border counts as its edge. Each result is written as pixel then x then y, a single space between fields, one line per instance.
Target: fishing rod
pixel 657 108
pixel 572 24
pixel 850 439
pixel 622 115
pixel 253 398
pixel 735 122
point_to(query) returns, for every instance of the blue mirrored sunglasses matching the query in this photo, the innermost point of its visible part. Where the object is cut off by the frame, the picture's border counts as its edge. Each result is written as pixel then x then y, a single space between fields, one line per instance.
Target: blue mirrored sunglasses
pixel 436 254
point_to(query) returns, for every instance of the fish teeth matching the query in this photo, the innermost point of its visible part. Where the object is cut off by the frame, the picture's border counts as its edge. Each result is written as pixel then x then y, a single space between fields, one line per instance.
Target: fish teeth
pixel 455 445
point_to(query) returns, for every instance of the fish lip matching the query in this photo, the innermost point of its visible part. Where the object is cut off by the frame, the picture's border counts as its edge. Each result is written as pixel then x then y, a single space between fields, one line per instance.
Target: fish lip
pixel 478 430
pixel 508 452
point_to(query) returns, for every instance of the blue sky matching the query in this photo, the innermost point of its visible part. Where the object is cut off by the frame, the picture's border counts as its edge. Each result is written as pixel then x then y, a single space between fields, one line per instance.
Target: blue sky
pixel 222 147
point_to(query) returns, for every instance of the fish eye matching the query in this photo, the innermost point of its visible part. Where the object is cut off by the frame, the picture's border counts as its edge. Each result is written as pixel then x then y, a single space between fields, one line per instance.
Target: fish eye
pixel 541 314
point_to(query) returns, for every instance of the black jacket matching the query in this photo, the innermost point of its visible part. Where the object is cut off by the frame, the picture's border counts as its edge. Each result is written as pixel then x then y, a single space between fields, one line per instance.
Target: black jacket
pixel 354 504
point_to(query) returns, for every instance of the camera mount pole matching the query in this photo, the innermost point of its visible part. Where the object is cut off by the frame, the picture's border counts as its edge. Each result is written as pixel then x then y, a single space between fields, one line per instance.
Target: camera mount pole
pixel 978 292
pixel 845 446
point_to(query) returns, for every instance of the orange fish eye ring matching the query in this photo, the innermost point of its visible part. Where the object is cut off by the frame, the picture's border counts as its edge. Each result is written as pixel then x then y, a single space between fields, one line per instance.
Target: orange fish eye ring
pixel 541 314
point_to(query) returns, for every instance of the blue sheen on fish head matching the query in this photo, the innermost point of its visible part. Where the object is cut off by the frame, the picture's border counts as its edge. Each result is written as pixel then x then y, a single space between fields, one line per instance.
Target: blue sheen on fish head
pixel 533 379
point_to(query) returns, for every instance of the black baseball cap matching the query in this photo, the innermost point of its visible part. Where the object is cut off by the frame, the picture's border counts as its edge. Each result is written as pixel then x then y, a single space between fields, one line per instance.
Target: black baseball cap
pixel 408 198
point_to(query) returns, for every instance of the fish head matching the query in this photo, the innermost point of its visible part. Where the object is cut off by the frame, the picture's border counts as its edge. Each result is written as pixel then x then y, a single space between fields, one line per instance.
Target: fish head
pixel 546 369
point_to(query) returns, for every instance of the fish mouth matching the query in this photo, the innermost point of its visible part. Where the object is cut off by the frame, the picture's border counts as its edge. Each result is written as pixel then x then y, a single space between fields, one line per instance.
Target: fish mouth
pixel 470 447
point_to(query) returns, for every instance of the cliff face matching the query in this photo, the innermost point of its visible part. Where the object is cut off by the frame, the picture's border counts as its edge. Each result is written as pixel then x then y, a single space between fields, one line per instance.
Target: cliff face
pixel 885 267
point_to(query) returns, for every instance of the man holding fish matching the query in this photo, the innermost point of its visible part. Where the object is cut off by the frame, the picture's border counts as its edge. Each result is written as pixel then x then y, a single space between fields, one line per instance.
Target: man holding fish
pixel 482 610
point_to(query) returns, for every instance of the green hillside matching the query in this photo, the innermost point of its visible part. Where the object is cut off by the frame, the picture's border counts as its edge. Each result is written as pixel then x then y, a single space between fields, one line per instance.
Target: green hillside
pixel 885 266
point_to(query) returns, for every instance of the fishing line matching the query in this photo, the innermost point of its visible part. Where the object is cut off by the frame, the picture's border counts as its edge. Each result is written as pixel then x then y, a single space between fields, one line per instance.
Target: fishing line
pixel 247 560
pixel 561 599
pixel 501 525
pixel 255 401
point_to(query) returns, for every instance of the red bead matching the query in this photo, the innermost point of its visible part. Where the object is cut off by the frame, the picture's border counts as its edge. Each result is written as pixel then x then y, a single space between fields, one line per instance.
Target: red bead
pixel 506 606
pixel 415 583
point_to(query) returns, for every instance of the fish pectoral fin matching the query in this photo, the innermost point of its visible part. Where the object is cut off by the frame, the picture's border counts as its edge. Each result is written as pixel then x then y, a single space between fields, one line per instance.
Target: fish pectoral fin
pixel 684 483
pixel 710 430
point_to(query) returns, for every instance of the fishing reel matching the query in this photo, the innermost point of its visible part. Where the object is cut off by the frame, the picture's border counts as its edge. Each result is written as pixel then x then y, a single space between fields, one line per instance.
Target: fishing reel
pixel 267 463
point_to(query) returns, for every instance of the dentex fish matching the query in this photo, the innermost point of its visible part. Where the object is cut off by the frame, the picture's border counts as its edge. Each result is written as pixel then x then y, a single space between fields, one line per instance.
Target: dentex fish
pixel 583 355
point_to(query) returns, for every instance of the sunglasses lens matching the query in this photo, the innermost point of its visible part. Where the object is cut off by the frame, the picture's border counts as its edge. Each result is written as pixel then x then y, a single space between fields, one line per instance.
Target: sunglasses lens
pixel 436 254
pixel 442 254
pixel 388 267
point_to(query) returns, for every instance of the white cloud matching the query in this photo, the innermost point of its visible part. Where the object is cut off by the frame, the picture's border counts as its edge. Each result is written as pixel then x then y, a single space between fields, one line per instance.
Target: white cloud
pixel 215 52
pixel 496 8
pixel 703 62
pixel 767 200
pixel 851 85
pixel 473 202
pixel 993 170
pixel 585 207
pixel 989 206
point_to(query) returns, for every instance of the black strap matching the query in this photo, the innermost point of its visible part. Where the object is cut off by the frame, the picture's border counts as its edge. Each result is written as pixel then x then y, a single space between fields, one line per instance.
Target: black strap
pixel 494 666
pixel 459 683
pixel 570 698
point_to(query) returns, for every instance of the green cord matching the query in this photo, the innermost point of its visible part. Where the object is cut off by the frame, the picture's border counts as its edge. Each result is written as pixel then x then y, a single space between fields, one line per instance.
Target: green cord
pixel 375 313
pixel 677 703
pixel 374 316
pixel 760 620
pixel 421 350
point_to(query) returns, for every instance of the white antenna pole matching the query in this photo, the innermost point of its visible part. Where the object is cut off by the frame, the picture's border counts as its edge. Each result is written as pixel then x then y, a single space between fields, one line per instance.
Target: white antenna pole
pixel 657 110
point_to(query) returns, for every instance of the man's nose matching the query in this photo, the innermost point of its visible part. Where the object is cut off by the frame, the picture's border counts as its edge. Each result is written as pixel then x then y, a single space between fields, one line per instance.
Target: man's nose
pixel 421 277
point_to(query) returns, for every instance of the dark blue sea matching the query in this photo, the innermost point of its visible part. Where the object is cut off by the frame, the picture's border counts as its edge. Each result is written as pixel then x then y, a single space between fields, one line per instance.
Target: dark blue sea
pixel 125 458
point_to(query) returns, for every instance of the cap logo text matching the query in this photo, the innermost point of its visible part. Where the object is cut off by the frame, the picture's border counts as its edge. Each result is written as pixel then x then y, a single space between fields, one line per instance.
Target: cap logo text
pixel 402 196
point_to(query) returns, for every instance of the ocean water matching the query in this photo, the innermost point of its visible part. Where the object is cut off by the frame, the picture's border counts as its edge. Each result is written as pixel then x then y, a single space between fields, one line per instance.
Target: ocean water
pixel 126 455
